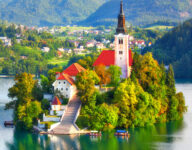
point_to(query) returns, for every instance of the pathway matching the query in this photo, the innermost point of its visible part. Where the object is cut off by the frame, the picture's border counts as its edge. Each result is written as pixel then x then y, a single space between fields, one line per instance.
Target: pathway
pixel 67 124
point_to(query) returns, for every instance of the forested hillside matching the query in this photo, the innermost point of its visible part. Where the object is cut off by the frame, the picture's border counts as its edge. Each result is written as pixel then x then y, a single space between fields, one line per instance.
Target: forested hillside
pixel 142 11
pixel 176 47
pixel 47 12
pixel 93 12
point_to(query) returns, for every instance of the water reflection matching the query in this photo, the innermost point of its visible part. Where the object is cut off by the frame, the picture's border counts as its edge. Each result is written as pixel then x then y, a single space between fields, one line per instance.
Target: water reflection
pixel 153 137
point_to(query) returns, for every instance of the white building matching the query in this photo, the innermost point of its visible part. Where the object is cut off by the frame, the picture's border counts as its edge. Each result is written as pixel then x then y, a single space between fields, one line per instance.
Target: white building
pixel 65 84
pixel 56 104
pixel 65 81
pixel 6 41
pixel 45 49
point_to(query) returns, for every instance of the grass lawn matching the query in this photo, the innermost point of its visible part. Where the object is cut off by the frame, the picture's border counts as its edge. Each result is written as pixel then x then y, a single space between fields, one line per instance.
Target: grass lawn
pixel 48 122
pixel 52 116
pixel 160 27
pixel 67 38
pixel 58 61
pixel 75 28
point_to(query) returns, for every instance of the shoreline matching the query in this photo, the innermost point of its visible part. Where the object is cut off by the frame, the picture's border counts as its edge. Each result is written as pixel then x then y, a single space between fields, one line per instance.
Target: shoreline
pixel 7 76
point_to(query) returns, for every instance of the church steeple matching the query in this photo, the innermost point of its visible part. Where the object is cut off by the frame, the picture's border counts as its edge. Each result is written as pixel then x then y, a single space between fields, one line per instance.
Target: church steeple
pixel 121 21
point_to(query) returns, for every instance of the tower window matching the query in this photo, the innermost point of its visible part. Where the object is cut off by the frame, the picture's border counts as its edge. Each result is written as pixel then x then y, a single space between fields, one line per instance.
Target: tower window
pixel 121 52
pixel 120 41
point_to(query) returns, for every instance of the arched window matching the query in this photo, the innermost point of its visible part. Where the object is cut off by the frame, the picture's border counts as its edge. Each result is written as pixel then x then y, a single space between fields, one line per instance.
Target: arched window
pixel 120 52
pixel 120 41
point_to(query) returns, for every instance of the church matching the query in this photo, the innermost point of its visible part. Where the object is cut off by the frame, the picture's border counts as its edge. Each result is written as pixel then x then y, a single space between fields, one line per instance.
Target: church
pixel 121 55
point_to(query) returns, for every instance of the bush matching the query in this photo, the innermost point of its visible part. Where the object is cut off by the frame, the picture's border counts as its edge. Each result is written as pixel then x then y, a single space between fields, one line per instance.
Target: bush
pixel 65 101
pixel 82 122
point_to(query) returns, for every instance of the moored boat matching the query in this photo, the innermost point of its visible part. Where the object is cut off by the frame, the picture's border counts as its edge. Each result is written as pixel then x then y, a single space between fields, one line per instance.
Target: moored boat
pixel 122 133
pixel 94 133
pixel 8 123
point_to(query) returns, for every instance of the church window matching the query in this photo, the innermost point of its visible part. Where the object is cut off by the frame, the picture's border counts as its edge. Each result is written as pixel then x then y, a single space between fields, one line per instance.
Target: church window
pixel 59 82
pixel 61 89
pixel 121 52
pixel 64 82
pixel 66 89
pixel 120 41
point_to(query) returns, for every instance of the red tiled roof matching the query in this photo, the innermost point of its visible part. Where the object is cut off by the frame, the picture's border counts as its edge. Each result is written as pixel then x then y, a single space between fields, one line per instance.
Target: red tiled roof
pixel 56 101
pixel 107 58
pixel 67 78
pixel 74 69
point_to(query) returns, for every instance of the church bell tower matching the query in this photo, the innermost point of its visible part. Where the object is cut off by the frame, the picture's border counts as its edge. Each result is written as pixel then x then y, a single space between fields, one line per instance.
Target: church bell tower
pixel 122 45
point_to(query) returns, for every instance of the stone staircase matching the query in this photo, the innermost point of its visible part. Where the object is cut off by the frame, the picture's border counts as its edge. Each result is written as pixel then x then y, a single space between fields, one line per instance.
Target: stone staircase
pixel 67 124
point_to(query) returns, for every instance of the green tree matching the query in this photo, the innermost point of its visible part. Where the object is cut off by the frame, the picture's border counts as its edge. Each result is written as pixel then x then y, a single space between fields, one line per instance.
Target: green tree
pixel 104 117
pixel 27 109
pixel 85 82
pixel 170 82
pixel 116 73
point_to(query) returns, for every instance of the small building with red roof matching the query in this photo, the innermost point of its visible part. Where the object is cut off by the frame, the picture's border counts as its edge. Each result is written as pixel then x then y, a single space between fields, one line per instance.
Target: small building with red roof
pixel 65 81
pixel 56 104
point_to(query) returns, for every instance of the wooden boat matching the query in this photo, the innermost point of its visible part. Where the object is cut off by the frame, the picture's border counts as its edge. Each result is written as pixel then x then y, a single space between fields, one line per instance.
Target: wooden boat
pixel 8 123
pixel 122 133
pixel 94 133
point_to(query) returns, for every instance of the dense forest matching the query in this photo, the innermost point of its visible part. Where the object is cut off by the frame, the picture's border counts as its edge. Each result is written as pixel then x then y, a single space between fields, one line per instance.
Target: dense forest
pixel 175 48
pixel 47 12
pixel 142 12
pixel 92 12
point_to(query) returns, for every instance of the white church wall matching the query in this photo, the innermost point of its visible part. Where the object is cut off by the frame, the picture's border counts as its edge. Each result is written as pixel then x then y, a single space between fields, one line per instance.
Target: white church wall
pixel 122 54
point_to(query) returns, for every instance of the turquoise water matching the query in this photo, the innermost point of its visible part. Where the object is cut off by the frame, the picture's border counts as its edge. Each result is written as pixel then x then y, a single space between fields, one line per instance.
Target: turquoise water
pixel 172 136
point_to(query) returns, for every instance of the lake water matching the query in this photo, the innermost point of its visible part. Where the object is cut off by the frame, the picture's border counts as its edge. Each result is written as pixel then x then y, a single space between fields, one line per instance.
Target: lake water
pixel 171 136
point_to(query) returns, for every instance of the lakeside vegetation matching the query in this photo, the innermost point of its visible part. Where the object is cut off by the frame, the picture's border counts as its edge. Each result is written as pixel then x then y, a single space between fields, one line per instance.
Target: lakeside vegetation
pixel 148 97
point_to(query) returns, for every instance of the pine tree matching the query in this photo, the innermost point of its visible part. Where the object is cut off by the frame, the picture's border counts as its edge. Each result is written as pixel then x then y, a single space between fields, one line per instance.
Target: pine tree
pixel 170 81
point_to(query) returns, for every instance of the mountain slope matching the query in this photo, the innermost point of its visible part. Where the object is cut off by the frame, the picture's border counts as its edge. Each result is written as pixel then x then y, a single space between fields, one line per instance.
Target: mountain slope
pixel 142 11
pixel 47 12
pixel 175 47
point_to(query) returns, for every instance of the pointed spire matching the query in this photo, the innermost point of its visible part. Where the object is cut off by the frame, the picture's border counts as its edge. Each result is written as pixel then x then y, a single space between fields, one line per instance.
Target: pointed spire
pixel 121 21
pixel 121 8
